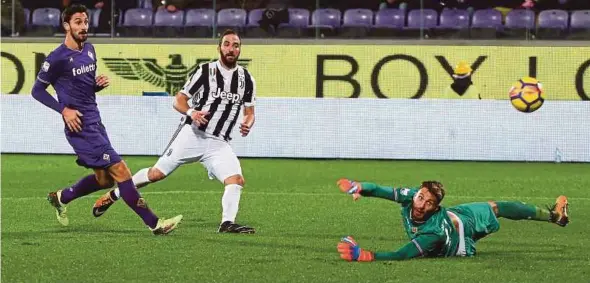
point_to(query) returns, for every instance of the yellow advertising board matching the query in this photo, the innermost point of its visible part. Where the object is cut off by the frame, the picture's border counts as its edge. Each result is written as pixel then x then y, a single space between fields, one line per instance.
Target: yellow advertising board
pixel 338 71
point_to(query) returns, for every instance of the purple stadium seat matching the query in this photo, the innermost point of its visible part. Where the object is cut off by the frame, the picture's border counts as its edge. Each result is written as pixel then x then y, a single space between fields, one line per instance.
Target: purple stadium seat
pixel 138 18
pixel 425 18
pixel 200 18
pixel 137 23
pixel 254 16
pixel 168 24
pixel 163 18
pixel 297 26
pixel 390 18
pixel 489 18
pixel 580 19
pixel 358 17
pixel 44 22
pixel 486 24
pixel 298 17
pixel 27 16
pixel 46 17
pixel 199 23
pixel 231 18
pixel 556 19
pixel 520 18
pixel 326 17
pixel 454 19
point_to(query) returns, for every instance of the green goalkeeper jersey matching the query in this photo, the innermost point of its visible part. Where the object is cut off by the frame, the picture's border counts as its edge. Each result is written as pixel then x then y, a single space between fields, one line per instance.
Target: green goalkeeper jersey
pixel 435 237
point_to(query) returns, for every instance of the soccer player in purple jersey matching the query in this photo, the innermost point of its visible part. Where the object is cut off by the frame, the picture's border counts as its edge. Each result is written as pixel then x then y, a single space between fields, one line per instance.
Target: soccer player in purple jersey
pixel 71 70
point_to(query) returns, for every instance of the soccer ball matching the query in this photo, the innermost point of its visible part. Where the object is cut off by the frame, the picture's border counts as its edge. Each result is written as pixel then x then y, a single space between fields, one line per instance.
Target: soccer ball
pixel 527 95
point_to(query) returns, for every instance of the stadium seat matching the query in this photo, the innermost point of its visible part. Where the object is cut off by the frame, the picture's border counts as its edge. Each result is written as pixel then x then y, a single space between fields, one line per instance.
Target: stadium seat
pixel 325 22
pixel 253 28
pixel 520 24
pixel 199 23
pixel 454 23
pixel 137 23
pixel 356 23
pixel 388 23
pixel 580 25
pixel 44 22
pixel 422 21
pixel 168 24
pixel 27 13
pixel 552 24
pixel 231 19
pixel 298 23
pixel 486 23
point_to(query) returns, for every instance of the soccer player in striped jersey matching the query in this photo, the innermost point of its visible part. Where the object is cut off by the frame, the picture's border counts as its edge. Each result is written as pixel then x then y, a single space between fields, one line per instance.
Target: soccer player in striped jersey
pixel 71 70
pixel 435 231
pixel 218 91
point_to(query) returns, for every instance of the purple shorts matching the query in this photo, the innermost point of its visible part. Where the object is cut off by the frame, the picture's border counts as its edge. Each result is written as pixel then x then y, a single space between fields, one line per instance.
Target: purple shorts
pixel 93 147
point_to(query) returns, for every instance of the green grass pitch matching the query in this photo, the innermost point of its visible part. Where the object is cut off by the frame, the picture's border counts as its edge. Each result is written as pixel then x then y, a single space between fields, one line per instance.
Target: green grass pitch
pixel 299 215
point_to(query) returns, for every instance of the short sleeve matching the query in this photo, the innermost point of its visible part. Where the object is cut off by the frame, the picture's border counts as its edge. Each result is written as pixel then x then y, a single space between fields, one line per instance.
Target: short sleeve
pixel 250 92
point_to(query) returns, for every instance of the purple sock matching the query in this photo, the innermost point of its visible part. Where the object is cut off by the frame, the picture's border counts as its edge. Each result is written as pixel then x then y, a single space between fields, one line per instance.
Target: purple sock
pixel 86 185
pixel 132 198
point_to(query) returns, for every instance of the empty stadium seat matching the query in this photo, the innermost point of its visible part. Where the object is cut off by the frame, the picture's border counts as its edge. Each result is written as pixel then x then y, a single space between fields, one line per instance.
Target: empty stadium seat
pixel 552 24
pixel 199 23
pixel 253 28
pixel 421 22
pixel 454 23
pixel 580 25
pixel 137 23
pixel 231 19
pixel 44 22
pixel 486 23
pixel 356 23
pixel 298 23
pixel 520 24
pixel 388 23
pixel 325 22
pixel 168 24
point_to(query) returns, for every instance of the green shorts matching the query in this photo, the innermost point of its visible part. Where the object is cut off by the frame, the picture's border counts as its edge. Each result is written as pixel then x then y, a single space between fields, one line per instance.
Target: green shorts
pixel 478 220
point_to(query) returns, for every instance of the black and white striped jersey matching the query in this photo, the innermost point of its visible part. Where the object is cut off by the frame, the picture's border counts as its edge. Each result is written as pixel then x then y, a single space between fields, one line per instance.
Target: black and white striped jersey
pixel 222 93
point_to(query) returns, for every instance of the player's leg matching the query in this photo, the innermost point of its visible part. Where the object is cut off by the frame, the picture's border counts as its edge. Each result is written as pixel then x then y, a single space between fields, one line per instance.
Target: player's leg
pixel 223 163
pixel 87 185
pixel 184 147
pixel 122 175
pixel 515 210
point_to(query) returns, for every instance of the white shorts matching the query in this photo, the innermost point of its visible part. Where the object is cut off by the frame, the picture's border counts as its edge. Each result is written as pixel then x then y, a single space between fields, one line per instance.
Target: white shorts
pixel 189 145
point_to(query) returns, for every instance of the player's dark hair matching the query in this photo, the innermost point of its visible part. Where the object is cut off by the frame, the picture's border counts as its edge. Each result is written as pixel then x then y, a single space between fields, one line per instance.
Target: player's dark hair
pixel 436 189
pixel 69 11
pixel 226 32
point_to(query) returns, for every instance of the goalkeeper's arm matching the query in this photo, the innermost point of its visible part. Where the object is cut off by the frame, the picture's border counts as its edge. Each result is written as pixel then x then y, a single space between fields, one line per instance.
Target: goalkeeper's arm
pixel 409 251
pixel 349 250
pixel 357 189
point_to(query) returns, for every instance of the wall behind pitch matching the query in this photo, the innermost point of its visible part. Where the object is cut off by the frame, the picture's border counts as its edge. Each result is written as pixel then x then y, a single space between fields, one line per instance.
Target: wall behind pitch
pixel 331 128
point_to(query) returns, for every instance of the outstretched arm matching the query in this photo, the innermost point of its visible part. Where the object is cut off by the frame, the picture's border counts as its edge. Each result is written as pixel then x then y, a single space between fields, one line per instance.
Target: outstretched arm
pixel 358 189
pixel 349 250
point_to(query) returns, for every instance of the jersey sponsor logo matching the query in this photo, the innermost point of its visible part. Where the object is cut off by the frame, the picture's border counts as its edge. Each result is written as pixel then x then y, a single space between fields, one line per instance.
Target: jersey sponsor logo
pixel 226 95
pixel 84 69
pixel 170 78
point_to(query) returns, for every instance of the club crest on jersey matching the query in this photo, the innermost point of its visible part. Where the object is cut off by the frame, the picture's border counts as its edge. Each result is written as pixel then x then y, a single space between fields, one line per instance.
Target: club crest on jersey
pixel 414 230
pixel 106 157
pixel 241 81
pixel 231 97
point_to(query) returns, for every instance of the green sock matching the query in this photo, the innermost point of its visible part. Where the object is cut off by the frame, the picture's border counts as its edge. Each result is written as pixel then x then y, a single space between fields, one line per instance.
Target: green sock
pixel 516 210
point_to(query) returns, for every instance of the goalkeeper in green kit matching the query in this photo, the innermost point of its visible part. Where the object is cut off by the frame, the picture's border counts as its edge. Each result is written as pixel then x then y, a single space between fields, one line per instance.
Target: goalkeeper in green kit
pixel 435 231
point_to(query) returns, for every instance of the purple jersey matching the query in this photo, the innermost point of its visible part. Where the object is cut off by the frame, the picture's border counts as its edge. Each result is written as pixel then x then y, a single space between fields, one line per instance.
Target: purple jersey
pixel 72 74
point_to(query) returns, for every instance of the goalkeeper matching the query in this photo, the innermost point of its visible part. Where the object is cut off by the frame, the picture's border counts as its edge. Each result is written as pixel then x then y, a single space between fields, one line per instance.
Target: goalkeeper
pixel 435 231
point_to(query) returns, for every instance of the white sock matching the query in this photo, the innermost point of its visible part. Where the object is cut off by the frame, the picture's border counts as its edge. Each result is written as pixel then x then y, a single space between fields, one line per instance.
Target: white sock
pixel 139 179
pixel 230 202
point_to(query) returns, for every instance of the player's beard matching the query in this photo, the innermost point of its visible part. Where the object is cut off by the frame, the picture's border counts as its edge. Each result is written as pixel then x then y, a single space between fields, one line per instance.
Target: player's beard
pixel 80 36
pixel 226 61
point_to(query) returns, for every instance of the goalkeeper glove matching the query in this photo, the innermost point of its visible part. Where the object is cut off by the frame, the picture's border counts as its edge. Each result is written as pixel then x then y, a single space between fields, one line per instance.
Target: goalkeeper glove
pixel 350 251
pixel 350 187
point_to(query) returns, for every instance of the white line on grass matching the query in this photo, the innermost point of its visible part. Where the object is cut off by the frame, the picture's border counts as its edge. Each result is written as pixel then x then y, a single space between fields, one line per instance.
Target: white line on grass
pixel 482 198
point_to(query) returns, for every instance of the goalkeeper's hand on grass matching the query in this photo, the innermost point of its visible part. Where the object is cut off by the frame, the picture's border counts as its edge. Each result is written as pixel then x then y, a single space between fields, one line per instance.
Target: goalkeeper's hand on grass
pixel 350 187
pixel 350 251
